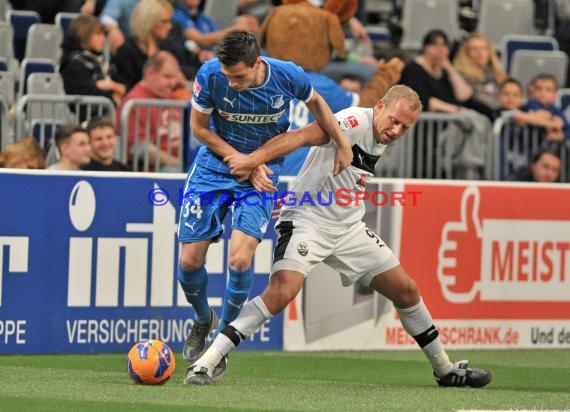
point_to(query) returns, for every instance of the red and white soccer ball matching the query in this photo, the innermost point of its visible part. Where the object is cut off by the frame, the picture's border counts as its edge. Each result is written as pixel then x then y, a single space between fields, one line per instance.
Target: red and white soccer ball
pixel 150 362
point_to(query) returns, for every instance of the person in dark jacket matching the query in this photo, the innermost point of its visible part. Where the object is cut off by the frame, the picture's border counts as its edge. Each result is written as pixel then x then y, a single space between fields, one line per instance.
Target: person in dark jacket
pixel 83 67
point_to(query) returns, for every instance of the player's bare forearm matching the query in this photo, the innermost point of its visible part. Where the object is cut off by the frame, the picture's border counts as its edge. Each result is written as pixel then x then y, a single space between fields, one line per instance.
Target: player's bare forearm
pixel 323 115
pixel 241 165
pixel 200 126
pixel 284 143
pixel 325 118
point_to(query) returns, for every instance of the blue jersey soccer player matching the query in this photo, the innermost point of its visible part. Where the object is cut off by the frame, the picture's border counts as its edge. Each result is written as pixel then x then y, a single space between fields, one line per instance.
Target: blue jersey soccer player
pixel 336 235
pixel 247 99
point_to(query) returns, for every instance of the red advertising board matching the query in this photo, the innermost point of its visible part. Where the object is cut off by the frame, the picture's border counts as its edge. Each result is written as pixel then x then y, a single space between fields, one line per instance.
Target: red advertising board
pixel 489 251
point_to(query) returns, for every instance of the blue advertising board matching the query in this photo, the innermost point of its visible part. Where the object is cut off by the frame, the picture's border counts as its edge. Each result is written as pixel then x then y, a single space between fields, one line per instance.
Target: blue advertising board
pixel 88 264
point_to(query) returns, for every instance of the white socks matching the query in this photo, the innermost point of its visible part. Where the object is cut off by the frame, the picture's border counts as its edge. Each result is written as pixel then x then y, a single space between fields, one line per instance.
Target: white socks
pixel 417 321
pixel 252 316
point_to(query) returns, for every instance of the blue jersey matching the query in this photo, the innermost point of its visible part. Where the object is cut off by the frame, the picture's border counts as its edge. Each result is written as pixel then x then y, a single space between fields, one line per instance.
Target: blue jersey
pixel 336 97
pixel 248 119
pixel 200 22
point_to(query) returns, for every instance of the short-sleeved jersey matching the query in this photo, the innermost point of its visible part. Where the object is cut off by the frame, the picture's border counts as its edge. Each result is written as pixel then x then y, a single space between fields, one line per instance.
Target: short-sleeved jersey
pixel 248 119
pixel 336 97
pixel 316 180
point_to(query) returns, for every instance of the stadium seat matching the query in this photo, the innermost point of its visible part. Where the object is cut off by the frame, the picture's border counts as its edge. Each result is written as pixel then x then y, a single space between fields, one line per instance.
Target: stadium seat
pixel 6 45
pixel 30 66
pixel 21 21
pixel 378 34
pixel 7 86
pixel 44 42
pixel 514 42
pixel 498 18
pixel 45 83
pixel 64 19
pixel 528 63
pixel 421 16
pixel 222 12
pixel 7 91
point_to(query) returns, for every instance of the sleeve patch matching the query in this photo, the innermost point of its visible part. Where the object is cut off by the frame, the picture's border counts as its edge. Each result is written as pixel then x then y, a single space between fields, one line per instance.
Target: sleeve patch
pixel 197 88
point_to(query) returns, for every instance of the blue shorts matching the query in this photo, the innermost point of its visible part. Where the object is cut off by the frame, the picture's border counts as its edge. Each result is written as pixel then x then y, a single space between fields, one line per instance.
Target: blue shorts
pixel 208 195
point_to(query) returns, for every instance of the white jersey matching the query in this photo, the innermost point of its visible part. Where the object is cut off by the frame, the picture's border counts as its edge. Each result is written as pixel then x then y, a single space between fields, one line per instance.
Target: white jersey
pixel 320 197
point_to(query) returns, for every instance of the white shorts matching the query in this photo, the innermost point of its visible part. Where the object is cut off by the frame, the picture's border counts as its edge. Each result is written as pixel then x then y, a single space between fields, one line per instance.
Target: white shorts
pixel 357 253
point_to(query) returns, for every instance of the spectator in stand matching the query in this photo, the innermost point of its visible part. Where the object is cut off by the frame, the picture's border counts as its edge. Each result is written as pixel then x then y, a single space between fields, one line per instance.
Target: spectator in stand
pixel 203 32
pixel 443 89
pixel 84 69
pixel 542 90
pixel 116 16
pixel 161 73
pixel 440 86
pixel 103 140
pixel 150 29
pixel 73 144
pixel 516 136
pixel 23 154
pixel 511 101
pixel 545 167
pixel 478 63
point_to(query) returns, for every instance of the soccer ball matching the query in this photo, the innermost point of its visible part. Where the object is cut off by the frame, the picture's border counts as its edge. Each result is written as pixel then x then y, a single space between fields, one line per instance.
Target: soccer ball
pixel 150 362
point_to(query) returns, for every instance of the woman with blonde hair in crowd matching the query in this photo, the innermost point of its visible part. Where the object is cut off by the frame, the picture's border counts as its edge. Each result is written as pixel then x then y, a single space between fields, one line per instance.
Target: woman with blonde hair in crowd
pixel 151 27
pixel 478 63
pixel 23 154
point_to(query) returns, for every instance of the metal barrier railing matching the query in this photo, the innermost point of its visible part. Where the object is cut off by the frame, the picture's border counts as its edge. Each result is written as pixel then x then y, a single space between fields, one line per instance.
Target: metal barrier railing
pixel 514 145
pixel 434 148
pixel 153 134
pixel 39 115
pixel 4 126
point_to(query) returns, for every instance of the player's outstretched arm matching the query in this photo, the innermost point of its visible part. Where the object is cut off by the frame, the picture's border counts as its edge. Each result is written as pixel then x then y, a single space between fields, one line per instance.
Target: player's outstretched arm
pixel 324 116
pixel 200 126
pixel 242 165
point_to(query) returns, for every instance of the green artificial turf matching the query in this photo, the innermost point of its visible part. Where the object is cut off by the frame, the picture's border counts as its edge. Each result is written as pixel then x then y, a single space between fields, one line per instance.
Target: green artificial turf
pixel 280 381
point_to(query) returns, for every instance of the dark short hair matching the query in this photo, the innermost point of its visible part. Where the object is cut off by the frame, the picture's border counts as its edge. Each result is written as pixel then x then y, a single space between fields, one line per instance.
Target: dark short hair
pixel 238 46
pixel 511 80
pixel 100 121
pixel 432 36
pixel 542 152
pixel 544 76
pixel 64 132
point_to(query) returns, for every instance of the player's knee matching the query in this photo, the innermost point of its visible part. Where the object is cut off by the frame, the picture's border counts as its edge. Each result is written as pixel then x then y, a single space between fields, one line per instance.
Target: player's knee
pixel 278 298
pixel 240 262
pixel 407 296
pixel 189 262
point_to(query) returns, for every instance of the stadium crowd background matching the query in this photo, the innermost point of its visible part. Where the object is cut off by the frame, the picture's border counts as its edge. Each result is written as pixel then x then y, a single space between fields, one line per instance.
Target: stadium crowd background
pixel 104 59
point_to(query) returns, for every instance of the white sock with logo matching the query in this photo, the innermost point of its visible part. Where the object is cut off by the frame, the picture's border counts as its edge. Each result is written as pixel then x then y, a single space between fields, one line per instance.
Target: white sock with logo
pixel 417 321
pixel 252 316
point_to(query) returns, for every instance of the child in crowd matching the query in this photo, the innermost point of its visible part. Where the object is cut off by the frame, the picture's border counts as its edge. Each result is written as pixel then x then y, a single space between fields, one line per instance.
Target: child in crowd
pixel 542 99
pixel 523 142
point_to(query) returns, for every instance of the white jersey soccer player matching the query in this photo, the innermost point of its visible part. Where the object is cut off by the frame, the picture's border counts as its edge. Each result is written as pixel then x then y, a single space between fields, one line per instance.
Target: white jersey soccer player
pixel 311 233
pixel 325 226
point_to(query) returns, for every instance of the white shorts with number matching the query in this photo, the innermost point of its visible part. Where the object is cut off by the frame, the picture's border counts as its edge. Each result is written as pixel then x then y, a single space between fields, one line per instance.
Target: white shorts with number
pixel 357 253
